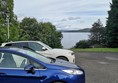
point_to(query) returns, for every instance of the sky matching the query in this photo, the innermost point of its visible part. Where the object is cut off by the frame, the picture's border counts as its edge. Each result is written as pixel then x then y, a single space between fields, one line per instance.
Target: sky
pixel 64 14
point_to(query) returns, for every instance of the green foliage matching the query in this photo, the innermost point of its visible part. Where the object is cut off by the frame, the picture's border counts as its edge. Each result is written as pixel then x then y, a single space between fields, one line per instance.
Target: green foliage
pixel 97 34
pixel 6 12
pixel 45 32
pixel 112 25
pixel 82 44
pixel 97 46
pixel 50 36
pixel 96 38
pixel 3 35
pixel 28 29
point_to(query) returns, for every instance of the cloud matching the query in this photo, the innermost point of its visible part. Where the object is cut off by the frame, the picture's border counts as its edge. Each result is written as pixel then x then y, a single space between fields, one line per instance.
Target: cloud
pixel 63 13
pixel 73 18
pixel 70 19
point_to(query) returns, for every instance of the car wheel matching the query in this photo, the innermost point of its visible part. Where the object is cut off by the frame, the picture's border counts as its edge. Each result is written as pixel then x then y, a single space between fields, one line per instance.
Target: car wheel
pixel 63 58
pixel 58 82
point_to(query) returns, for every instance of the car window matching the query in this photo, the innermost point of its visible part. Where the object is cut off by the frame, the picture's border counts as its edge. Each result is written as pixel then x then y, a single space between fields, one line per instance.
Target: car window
pixel 35 46
pixel 35 55
pixel 9 45
pixel 48 47
pixel 19 45
pixel 9 60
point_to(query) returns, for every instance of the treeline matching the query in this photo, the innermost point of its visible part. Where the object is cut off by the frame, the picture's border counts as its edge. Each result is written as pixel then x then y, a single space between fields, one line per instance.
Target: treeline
pixel 28 29
pixel 103 36
pixel 31 29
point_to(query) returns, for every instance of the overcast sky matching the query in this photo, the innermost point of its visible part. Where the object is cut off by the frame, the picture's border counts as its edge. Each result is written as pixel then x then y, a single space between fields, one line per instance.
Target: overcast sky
pixel 65 14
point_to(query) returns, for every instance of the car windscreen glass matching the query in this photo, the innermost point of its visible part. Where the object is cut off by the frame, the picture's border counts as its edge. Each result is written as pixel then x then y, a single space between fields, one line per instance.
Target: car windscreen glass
pixel 35 55
pixel 35 46
pixel 48 47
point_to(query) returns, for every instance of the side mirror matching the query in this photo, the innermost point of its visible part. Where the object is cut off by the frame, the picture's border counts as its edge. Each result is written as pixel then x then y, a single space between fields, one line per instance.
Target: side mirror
pixel 29 69
pixel 44 49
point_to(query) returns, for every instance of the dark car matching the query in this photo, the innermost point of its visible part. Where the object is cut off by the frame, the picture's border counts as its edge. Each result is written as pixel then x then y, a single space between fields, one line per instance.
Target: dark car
pixel 24 66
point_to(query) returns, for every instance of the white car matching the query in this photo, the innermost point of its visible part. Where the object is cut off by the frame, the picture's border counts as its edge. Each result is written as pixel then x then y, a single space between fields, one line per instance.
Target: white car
pixel 43 49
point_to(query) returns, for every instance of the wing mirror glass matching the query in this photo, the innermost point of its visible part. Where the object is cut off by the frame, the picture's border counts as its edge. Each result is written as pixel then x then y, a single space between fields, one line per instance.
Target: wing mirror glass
pixel 29 69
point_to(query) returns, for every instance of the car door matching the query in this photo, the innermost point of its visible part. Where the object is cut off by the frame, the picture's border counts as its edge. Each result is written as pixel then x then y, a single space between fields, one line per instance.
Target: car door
pixel 12 69
pixel 18 44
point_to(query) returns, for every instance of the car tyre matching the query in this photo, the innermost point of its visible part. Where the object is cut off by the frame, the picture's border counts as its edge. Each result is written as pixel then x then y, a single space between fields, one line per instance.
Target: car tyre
pixel 58 82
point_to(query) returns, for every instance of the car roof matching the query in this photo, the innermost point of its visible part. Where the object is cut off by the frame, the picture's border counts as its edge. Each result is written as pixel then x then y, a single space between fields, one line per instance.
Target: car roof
pixel 21 41
pixel 14 50
pixel 10 49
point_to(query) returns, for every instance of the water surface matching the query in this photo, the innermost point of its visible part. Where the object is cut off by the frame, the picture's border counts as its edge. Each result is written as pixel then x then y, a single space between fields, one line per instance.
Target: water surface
pixel 71 38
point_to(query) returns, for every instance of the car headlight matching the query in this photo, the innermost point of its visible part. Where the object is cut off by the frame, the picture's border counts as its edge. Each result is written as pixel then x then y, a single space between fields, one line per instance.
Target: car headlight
pixel 73 71
pixel 72 53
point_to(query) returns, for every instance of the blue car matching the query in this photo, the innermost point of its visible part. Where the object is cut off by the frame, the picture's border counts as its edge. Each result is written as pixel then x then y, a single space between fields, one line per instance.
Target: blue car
pixel 25 66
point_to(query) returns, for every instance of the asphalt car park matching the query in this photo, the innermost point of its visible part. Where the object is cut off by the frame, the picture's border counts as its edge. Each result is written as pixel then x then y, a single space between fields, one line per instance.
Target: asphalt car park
pixel 99 67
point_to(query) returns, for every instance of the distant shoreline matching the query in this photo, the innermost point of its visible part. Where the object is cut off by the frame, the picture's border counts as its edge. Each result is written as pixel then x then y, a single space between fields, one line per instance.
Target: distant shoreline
pixel 81 30
pixel 75 31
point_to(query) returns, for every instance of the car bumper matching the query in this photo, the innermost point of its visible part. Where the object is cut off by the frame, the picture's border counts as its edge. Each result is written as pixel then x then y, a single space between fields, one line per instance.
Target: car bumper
pixel 64 77
pixel 68 79
pixel 76 79
pixel 71 58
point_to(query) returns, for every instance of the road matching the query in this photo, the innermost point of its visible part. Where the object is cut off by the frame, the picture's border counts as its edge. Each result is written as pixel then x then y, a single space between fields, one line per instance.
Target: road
pixel 99 67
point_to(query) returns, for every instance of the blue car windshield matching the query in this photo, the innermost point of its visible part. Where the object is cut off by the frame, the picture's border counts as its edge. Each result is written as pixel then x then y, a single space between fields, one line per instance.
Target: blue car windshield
pixel 35 55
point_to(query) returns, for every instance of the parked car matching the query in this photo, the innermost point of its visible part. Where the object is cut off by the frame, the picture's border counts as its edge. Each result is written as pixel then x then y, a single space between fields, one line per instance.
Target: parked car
pixel 44 49
pixel 24 66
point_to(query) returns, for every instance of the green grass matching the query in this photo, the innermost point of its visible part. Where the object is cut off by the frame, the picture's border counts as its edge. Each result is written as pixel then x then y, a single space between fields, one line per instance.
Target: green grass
pixel 96 50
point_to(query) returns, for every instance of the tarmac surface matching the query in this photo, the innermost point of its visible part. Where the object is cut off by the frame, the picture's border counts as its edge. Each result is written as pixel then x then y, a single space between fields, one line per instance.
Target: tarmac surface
pixel 99 67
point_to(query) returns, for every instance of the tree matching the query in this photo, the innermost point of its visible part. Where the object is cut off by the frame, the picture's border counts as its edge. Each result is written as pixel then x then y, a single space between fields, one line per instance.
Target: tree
pixel 97 33
pixel 7 17
pixel 29 29
pixel 45 32
pixel 112 25
pixel 82 44
pixel 50 36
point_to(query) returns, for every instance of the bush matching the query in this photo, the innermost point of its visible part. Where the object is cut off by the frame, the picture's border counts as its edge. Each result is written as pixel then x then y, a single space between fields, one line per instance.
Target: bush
pixel 98 46
pixel 82 44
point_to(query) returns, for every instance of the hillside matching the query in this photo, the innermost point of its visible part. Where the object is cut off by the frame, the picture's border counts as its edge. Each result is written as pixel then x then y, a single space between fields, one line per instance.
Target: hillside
pixel 81 30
